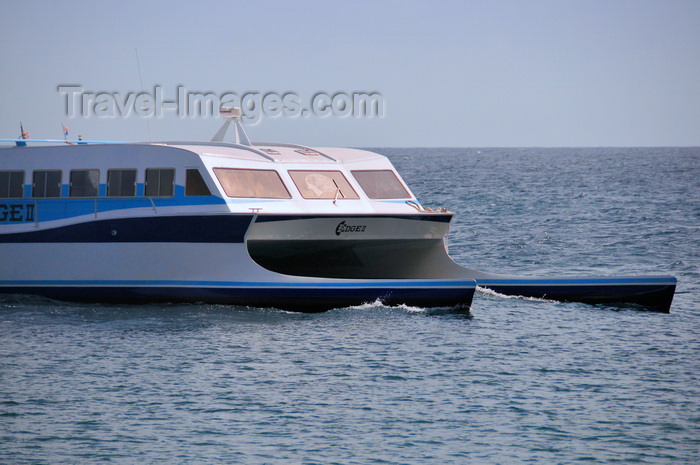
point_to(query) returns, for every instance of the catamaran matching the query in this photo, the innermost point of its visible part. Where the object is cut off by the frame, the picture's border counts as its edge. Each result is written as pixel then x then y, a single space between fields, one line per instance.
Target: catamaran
pixel 259 224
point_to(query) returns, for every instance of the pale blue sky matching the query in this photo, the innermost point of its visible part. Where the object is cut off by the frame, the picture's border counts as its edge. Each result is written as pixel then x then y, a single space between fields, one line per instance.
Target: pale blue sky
pixel 453 73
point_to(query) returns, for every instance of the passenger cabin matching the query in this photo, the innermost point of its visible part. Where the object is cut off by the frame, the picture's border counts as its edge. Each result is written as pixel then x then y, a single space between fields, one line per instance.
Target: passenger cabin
pixel 326 212
pixel 104 180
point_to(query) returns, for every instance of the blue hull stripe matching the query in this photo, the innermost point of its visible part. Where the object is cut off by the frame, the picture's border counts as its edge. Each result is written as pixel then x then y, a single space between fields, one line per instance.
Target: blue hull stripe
pixel 428 284
pixel 604 281
pixel 288 296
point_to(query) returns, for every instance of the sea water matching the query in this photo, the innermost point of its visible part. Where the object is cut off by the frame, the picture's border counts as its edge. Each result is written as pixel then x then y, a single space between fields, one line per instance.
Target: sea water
pixel 512 381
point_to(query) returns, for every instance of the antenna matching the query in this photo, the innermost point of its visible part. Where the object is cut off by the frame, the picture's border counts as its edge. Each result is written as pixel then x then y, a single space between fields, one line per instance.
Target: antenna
pixel 138 64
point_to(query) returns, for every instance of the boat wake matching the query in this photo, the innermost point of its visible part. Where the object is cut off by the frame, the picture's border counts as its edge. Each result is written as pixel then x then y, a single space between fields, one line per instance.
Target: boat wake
pixel 490 292
pixel 378 304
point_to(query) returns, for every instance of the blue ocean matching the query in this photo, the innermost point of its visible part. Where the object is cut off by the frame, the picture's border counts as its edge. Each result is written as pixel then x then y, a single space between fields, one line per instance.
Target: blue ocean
pixel 512 381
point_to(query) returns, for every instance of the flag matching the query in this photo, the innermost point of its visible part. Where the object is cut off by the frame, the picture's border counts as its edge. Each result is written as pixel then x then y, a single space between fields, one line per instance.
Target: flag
pixel 65 133
pixel 22 135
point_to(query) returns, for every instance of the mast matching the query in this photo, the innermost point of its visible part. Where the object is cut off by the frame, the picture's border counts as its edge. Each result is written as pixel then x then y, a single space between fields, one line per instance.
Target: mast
pixel 232 115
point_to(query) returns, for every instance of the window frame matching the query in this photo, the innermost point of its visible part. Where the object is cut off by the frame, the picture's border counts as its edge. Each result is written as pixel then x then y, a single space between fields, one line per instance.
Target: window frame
pixel 225 186
pixel 159 182
pixel 110 171
pixel 305 191
pixel 77 191
pixel 8 194
pixel 372 195
pixel 45 173
pixel 196 186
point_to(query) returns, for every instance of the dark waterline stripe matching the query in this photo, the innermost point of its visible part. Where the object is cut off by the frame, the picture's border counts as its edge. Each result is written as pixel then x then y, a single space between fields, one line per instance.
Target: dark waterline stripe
pixel 226 228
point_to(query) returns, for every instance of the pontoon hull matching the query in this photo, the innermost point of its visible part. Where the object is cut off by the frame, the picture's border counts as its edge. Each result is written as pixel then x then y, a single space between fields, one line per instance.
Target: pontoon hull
pixel 198 258
pixel 297 297
pixel 283 245
pixel 652 292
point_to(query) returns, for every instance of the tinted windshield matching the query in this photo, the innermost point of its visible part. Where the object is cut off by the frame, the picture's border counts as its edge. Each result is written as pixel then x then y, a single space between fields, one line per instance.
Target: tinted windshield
pixel 381 184
pixel 323 185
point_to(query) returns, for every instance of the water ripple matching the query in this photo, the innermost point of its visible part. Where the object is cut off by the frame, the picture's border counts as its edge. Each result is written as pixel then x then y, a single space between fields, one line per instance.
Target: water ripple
pixel 512 381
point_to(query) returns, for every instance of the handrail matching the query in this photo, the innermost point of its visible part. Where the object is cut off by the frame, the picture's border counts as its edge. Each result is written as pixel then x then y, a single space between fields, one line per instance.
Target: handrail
pixel 415 205
pixel 96 210
pixel 153 204
pixel 98 197
pixel 422 209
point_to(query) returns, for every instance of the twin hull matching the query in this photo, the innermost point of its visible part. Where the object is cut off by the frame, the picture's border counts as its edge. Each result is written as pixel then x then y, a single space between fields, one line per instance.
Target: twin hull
pixel 358 236
pixel 303 263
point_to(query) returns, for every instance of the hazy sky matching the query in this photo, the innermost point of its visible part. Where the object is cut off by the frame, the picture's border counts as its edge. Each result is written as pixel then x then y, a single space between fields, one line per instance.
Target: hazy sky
pixel 454 73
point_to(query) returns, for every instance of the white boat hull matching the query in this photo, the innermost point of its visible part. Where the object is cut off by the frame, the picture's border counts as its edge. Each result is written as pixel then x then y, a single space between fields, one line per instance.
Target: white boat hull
pixel 192 258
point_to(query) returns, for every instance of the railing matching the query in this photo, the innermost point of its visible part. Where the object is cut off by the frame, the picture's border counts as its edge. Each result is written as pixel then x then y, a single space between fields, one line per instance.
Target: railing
pixel 422 209
pixel 30 210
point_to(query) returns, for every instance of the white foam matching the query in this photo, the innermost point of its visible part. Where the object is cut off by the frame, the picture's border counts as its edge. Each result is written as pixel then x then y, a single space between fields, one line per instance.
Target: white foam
pixel 379 304
pixel 487 291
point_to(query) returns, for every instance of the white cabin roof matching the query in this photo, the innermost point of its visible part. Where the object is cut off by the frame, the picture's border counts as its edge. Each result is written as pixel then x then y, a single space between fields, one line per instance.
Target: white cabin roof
pixel 279 153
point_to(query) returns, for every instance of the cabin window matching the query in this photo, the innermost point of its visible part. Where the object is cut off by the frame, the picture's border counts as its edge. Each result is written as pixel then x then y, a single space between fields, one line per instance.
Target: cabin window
pixel 323 185
pixel 46 183
pixel 160 182
pixel 11 184
pixel 121 183
pixel 84 183
pixel 194 183
pixel 381 184
pixel 261 184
